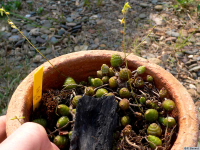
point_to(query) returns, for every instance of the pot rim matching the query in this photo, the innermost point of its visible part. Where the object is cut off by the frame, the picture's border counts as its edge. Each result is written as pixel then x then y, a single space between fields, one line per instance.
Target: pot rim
pixel 188 122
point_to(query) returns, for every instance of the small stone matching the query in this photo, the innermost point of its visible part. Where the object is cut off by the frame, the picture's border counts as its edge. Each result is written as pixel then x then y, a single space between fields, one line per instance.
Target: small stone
pixel 94 17
pixel 83 47
pixel 80 48
pixel 77 48
pixel 71 24
pixel 45 36
pixel 103 45
pixel 198 73
pixel 192 86
pixel 195 68
pixel 29 27
pixel 171 39
pixel 154 1
pixel 142 16
pixel 179 54
pixel 188 63
pixel 197 34
pixel 190 56
pixel 197 104
pixel 150 56
pixel 155 61
pixel 173 72
pixel 61 32
pixel 6 35
pixel 14 31
pixel 18 58
pixel 75 15
pixel 198 88
pixel 31 53
pixel 192 30
pixel 14 38
pixel 46 24
pixel 4 28
pixel 40 40
pixel 45 31
pixel 194 75
pixel 27 16
pixel 156 18
pixel 158 7
pixel 20 42
pixel 114 30
pixel 191 52
pixel 96 41
pixel 77 27
pixel 35 32
pixel 69 19
pixel 192 66
pixel 94 46
pixel 192 92
pixel 37 59
pixel 92 31
pixel 197 43
pixel 183 33
pixel 2 53
pixel 48 51
pixel 192 39
pixel 172 33
pixel 165 57
pixel 146 40
pixel 102 21
pixel 54 40
pixel 144 5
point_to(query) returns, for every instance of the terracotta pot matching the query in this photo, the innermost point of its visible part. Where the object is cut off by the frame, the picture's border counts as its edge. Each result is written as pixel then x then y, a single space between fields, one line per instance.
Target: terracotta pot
pixel 80 65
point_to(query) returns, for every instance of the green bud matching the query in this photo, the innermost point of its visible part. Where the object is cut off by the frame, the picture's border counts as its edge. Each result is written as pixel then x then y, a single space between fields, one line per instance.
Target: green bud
pixel 141 70
pixel 154 141
pixel 142 100
pixel 62 121
pixel 169 122
pixel 168 105
pixel 99 74
pixel 70 83
pixel 151 115
pixel 113 82
pixel 41 121
pixel 149 78
pixel 89 91
pixel 105 69
pixel 105 79
pixel 124 104
pixel 101 92
pixel 125 74
pixel 61 141
pixel 116 60
pixel 75 100
pixel 125 120
pixel 96 82
pixel 124 93
pixel 63 110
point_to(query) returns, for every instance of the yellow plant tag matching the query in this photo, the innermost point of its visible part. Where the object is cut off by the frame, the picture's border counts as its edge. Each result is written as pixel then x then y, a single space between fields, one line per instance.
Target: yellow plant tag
pixel 37 87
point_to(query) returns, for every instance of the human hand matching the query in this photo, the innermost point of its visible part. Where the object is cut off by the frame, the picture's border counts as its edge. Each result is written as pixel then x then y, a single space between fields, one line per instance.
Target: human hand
pixel 29 136
pixel 2 128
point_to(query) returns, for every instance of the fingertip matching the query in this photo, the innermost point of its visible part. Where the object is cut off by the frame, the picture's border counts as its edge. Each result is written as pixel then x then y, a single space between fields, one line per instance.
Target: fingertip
pixel 2 128
pixel 54 146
